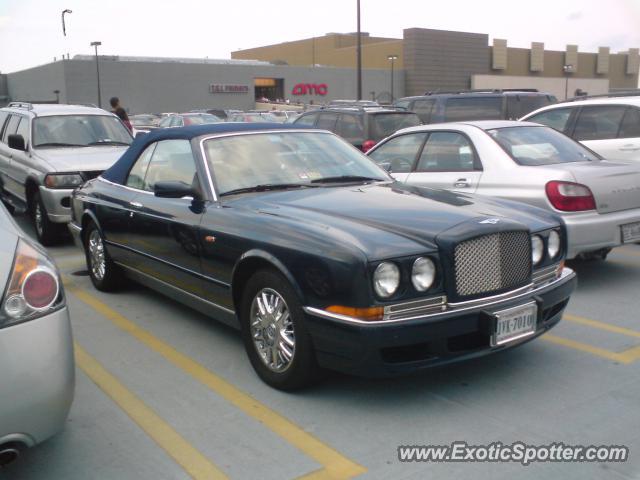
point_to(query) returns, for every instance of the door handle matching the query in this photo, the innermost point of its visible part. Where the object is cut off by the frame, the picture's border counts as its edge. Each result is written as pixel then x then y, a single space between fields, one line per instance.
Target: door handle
pixel 630 148
pixel 136 204
pixel 461 183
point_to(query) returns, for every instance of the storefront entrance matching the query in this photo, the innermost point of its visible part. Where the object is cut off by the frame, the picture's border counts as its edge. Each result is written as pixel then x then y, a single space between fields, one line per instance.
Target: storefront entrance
pixel 269 88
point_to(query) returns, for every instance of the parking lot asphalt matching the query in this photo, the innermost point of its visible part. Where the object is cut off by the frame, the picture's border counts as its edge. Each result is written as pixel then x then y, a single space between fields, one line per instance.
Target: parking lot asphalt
pixel 164 392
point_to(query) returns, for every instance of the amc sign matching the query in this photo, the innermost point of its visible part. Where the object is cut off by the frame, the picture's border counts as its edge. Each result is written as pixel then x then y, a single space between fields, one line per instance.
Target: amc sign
pixel 310 89
pixel 223 88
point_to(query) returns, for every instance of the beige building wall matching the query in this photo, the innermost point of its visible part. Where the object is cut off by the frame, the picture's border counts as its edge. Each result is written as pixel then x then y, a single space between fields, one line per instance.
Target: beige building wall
pixel 553 85
pixel 337 50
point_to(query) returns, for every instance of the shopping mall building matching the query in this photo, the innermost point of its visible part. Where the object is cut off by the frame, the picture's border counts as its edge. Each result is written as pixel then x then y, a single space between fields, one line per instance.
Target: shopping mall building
pixel 323 68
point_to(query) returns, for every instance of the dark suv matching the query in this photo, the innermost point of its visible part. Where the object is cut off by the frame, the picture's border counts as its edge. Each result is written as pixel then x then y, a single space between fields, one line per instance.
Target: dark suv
pixel 436 107
pixel 362 127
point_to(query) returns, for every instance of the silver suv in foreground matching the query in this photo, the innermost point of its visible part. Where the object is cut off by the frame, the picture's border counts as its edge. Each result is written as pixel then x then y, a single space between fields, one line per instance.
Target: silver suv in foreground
pixel 48 150
pixel 37 377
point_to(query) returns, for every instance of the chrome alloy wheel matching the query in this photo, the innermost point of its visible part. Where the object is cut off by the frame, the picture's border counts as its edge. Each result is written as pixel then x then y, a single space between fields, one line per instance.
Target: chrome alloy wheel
pixel 272 330
pixel 97 262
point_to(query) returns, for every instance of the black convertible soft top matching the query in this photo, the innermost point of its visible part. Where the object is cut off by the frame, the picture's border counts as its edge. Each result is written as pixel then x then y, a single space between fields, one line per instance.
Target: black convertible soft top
pixel 118 172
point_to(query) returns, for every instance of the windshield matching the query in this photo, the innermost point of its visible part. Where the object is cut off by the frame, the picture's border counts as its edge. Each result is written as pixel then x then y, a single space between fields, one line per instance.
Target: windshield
pixel 202 119
pixel 384 124
pixel 534 146
pixel 79 131
pixel 140 120
pixel 245 161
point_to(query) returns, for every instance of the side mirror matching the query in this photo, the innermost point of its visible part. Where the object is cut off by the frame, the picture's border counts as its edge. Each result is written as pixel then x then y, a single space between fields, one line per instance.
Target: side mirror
pixel 175 190
pixel 16 142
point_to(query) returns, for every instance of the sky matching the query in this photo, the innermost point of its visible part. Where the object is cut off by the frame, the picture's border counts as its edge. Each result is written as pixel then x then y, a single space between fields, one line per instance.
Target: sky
pixel 31 30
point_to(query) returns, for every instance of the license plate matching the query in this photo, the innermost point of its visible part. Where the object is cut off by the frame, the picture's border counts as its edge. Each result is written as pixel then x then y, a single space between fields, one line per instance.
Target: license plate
pixel 515 323
pixel 631 232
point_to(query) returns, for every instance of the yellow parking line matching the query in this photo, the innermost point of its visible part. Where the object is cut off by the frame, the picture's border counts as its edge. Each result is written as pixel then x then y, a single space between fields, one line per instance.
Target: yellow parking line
pixel 601 325
pixel 626 357
pixel 336 465
pixel 190 459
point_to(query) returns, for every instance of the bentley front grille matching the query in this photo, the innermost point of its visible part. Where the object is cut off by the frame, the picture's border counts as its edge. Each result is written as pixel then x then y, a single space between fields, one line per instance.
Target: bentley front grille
pixel 492 262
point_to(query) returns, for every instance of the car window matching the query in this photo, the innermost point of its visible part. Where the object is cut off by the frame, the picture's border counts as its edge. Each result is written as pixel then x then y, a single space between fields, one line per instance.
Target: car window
pixel 423 109
pixel 350 126
pixel 556 118
pixel 385 124
pixel 306 119
pixel 244 161
pixel 599 122
pixel 399 154
pixel 522 103
pixel 139 169
pixel 446 152
pixel 3 118
pixel 402 104
pixel 12 126
pixel 23 129
pixel 630 127
pixel 327 121
pixel 172 161
pixel 176 121
pixel 79 130
pixel 473 108
pixel 165 122
pixel 534 146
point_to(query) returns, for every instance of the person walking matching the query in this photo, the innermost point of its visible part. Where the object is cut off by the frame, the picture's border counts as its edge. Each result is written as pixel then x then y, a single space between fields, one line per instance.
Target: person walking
pixel 120 112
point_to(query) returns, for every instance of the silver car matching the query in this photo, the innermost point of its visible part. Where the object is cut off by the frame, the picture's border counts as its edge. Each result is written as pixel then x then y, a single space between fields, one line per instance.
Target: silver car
pixel 36 351
pixel 48 150
pixel 527 162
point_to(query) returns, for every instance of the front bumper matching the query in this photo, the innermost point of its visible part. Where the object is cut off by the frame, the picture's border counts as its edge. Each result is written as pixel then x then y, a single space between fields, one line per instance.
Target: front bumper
pixel 591 231
pixel 57 203
pixel 37 378
pixel 391 348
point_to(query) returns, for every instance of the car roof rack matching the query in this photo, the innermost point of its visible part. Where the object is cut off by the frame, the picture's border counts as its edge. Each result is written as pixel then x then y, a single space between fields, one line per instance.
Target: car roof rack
pixel 481 90
pixel 626 93
pixel 25 105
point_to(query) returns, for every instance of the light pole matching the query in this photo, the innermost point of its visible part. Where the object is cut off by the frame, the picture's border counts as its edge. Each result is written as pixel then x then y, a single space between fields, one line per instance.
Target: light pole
pixel 96 45
pixel 57 93
pixel 359 55
pixel 567 69
pixel 64 27
pixel 393 58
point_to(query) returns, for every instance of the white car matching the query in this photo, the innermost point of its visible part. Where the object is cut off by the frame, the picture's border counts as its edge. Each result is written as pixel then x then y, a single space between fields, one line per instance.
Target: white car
pixel 609 126
pixel 37 377
pixel 598 200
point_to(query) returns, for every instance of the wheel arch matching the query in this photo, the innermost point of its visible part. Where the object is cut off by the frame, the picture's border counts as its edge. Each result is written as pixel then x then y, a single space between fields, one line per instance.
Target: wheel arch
pixel 88 216
pixel 252 261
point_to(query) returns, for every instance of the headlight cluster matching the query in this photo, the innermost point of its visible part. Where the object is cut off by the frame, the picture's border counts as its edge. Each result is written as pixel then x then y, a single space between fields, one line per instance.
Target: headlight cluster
pixel 538 247
pixel 63 180
pixel 386 277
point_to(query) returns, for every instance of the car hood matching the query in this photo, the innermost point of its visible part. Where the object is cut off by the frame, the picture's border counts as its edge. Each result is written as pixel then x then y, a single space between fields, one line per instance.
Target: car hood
pixel 81 159
pixel 615 186
pixel 417 214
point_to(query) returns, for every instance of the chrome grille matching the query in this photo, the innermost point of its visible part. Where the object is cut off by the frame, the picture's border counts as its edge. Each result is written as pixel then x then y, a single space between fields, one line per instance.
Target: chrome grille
pixel 492 262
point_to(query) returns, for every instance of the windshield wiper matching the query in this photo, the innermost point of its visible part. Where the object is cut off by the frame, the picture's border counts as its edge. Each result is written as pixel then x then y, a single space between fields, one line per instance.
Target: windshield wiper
pixel 108 142
pixel 346 179
pixel 58 144
pixel 266 186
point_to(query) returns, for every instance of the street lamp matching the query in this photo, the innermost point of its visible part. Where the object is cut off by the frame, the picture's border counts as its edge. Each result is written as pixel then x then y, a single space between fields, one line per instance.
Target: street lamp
pixel 96 45
pixel 64 28
pixel 57 93
pixel 567 69
pixel 393 58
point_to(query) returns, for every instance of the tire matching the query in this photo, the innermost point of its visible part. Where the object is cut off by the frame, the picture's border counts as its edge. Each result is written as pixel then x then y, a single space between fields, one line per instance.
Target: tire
pixel 47 232
pixel 105 275
pixel 278 362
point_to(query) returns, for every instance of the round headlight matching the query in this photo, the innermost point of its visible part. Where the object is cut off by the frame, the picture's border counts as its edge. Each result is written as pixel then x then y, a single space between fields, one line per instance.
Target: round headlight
pixel 386 279
pixel 553 246
pixel 423 274
pixel 537 249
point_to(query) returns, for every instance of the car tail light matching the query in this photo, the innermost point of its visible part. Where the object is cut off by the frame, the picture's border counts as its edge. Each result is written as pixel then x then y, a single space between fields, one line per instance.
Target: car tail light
pixel 33 289
pixel 368 145
pixel 570 197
